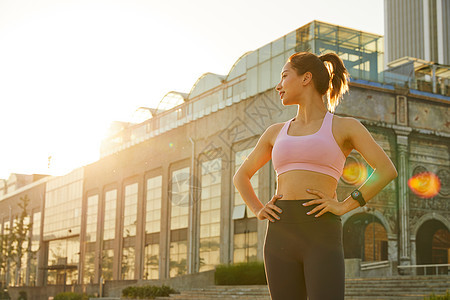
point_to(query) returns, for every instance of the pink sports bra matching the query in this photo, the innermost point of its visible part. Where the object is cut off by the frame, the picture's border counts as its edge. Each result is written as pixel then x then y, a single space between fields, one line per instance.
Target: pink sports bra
pixel 318 152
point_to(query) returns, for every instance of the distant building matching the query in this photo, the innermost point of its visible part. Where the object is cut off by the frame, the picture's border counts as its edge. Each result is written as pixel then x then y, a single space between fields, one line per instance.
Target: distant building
pixel 160 202
pixel 417 28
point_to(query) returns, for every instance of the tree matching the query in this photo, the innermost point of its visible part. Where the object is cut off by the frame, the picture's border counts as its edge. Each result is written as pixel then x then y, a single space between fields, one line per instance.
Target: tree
pixel 14 243
pixel 21 236
pixel 6 253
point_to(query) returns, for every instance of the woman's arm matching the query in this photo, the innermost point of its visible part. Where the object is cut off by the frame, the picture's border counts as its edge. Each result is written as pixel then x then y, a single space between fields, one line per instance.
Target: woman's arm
pixel 384 172
pixel 260 155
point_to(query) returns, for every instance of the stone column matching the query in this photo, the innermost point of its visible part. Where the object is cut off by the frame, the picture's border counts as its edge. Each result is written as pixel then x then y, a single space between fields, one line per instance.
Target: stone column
pixel 403 195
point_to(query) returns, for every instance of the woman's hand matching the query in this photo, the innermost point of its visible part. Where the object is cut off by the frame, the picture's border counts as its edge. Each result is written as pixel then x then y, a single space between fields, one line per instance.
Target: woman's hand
pixel 325 204
pixel 267 212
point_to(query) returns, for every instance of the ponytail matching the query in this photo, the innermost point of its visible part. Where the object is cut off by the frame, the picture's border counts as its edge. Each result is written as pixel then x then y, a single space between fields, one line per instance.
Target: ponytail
pixel 339 78
pixel 330 76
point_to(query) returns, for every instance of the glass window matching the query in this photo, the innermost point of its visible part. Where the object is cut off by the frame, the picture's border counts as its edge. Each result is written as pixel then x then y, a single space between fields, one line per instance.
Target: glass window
pixel 109 226
pixel 107 264
pixel 264 77
pixel 151 263
pixel 252 82
pixel 265 53
pixel 291 40
pixel 89 265
pixel 210 214
pixel 91 219
pixel 178 258
pixel 153 210
pixel 239 68
pixel 130 210
pixel 278 46
pixel 63 257
pixel 35 236
pixel 276 68
pixel 252 59
pixel 245 246
pixel 179 198
pixel 63 200
pixel 128 258
pixel 239 159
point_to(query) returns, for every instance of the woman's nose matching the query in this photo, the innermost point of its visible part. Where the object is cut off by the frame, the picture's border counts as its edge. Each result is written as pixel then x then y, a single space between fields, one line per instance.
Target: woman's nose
pixel 278 87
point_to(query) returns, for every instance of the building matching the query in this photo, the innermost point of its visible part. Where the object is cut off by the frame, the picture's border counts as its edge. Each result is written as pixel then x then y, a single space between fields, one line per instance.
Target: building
pixel 160 202
pixel 417 28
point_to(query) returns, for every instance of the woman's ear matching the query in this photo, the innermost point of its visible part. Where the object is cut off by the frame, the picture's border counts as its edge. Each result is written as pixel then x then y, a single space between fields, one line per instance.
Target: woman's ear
pixel 307 77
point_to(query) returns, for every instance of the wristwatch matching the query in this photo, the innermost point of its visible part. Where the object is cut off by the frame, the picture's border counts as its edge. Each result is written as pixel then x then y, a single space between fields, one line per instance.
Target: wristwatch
pixel 356 194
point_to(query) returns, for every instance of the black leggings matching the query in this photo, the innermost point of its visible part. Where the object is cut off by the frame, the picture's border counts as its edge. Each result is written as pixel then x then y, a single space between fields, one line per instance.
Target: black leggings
pixel 303 255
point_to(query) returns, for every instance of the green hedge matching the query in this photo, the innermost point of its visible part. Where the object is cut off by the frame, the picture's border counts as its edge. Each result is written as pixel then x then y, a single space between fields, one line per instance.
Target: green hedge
pixel 71 296
pixel 4 295
pixel 240 274
pixel 439 297
pixel 147 291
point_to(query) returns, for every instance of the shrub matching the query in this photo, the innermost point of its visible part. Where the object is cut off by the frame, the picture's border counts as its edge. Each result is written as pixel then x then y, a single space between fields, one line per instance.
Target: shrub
pixel 439 297
pixel 240 274
pixel 71 296
pixel 68 296
pixel 147 291
pixel 22 295
pixel 4 295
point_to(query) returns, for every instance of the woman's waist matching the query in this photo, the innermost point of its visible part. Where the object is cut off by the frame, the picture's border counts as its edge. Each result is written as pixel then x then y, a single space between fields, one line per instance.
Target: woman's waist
pixel 293 211
pixel 293 184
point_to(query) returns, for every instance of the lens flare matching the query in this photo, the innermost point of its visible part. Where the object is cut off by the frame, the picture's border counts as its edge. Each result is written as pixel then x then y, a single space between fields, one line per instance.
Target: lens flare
pixel 170 145
pixel 354 173
pixel 425 185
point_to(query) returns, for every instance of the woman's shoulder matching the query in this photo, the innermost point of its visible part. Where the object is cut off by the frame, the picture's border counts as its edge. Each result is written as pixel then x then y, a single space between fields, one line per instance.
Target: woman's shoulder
pixel 343 122
pixel 272 132
pixel 346 125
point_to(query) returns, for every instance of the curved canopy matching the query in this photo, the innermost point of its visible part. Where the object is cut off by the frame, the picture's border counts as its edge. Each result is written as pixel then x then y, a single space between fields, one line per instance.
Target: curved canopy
pixel 239 67
pixel 206 82
pixel 170 100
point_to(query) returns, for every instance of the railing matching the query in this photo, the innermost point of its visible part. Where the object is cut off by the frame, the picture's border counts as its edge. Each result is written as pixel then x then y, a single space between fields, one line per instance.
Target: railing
pixel 425 267
pixel 375 265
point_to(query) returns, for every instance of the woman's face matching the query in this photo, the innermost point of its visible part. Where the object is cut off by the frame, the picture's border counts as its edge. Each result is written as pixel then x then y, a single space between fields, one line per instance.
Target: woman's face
pixel 290 86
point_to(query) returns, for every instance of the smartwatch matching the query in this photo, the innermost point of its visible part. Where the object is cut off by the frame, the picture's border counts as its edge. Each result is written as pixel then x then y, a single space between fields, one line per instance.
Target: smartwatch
pixel 356 194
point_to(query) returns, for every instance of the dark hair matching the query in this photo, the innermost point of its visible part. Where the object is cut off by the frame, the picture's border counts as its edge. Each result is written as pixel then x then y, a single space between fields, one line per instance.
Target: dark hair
pixel 329 74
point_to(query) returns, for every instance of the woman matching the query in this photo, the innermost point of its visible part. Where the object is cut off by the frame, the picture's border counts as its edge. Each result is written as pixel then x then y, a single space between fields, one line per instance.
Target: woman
pixel 303 250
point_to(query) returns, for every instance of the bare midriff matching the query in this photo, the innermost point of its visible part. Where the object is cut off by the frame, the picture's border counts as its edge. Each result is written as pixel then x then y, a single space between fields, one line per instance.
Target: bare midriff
pixel 293 184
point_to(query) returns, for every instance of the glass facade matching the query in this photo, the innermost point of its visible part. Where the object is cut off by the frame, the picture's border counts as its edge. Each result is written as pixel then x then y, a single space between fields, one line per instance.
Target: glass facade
pixel 129 230
pixel 109 233
pixel 128 261
pixel 240 208
pixel 245 236
pixel 63 256
pixel 90 239
pixel 153 210
pixel 130 210
pixel 151 264
pixel 35 236
pixel 179 209
pixel 109 225
pixel 210 214
pixel 152 227
pixel 63 198
pixel 107 264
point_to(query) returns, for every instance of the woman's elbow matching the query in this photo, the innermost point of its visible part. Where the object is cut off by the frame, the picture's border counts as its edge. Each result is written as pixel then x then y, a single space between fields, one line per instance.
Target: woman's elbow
pixel 236 177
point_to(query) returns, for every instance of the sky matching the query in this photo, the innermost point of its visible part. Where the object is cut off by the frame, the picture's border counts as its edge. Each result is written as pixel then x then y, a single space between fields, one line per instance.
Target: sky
pixel 68 68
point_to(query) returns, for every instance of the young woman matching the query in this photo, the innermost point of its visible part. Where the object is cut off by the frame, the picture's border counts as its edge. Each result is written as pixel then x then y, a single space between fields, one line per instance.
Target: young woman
pixel 303 251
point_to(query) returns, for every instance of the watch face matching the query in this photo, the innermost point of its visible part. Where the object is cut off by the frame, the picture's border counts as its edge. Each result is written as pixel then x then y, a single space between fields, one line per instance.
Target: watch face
pixel 356 194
